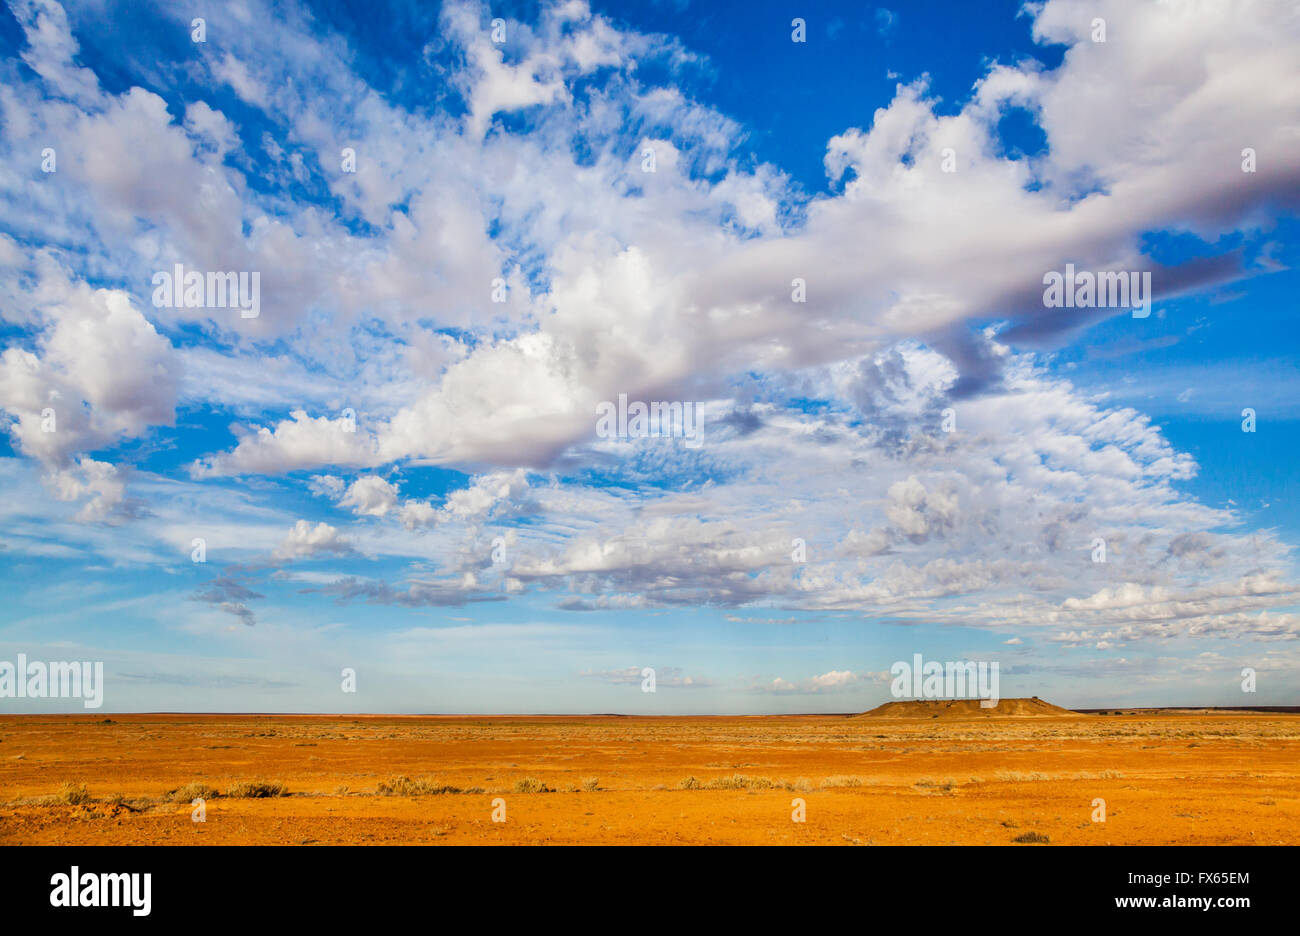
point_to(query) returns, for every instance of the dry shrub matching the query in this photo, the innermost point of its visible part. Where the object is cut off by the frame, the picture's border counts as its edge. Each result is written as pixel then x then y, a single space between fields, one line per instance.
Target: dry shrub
pixel 531 785
pixel 190 792
pixel 74 794
pixel 1018 776
pixel 840 781
pixel 421 786
pixel 256 789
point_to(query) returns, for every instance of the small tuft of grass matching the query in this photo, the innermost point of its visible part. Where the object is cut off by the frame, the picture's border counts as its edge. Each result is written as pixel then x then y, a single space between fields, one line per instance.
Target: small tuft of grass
pixel 1032 838
pixel 421 786
pixel 841 781
pixel 74 794
pixel 931 787
pixel 531 785
pixel 1018 776
pixel 256 789
pixel 1097 775
pixel 742 782
pixel 590 784
pixel 190 792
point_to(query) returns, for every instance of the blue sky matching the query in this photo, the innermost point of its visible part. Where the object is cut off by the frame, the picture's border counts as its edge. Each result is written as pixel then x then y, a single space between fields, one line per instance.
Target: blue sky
pixel 392 472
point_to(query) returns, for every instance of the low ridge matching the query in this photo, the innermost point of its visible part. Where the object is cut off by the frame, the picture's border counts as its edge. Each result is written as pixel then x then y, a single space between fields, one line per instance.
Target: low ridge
pixel 966 708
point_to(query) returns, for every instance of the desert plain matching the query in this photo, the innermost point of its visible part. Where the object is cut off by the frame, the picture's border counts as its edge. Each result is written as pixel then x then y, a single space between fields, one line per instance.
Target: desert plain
pixel 897 776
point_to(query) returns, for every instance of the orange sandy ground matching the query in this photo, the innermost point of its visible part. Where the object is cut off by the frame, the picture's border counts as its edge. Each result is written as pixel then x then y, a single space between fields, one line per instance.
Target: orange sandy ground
pixel 1166 778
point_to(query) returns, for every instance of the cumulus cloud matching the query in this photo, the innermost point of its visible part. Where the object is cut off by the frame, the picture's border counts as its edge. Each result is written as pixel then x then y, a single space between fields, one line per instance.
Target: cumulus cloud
pixel 100 481
pixel 305 541
pixel 369 496
pixel 70 393
pixel 305 442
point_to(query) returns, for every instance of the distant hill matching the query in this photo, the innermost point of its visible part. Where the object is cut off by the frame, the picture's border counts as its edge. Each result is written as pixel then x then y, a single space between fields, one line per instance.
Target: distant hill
pixel 965 708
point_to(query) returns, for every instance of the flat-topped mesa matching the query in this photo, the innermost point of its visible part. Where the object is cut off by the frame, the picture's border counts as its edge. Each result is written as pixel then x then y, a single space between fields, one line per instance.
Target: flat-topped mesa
pixel 967 708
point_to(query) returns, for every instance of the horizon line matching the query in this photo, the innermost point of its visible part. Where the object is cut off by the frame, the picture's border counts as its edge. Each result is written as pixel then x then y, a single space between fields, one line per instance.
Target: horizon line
pixel 1277 709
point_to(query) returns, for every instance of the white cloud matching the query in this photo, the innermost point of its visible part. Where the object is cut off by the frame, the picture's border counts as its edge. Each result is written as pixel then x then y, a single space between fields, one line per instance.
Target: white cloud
pixel 100 480
pixel 370 496
pixel 51 49
pixel 829 682
pixel 71 393
pixel 305 442
pixel 305 541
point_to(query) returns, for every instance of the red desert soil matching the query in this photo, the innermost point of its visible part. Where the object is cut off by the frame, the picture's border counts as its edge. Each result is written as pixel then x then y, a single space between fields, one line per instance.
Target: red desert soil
pixel 1185 778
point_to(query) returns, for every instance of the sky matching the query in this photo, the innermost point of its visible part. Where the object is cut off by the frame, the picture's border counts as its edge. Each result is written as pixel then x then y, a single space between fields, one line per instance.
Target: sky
pixel 822 229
